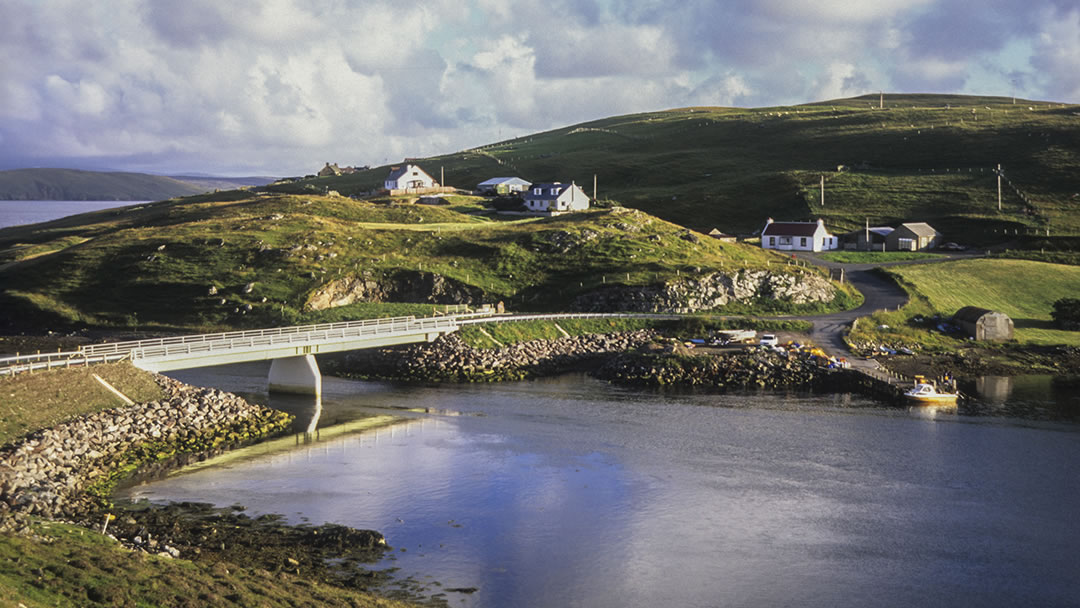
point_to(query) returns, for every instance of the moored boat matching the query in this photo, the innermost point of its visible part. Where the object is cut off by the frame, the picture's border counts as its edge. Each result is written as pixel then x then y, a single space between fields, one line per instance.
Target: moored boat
pixel 926 392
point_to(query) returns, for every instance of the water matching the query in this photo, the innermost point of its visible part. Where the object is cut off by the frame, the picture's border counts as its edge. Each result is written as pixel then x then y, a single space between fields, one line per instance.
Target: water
pixel 18 213
pixel 571 492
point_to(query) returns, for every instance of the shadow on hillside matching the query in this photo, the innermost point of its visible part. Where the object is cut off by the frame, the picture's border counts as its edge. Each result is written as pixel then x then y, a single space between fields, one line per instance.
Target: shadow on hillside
pixel 1033 324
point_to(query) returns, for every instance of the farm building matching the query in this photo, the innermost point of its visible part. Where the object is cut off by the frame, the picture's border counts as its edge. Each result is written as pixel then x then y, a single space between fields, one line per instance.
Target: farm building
pixel 983 324
pixel 797 236
pixel 915 236
pixel 408 177
pixel 723 237
pixel 503 185
pixel 555 199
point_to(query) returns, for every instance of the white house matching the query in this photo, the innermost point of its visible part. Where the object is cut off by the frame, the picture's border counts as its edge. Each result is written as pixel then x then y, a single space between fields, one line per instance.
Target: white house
pixel 555 198
pixel 797 236
pixel 408 177
pixel 503 185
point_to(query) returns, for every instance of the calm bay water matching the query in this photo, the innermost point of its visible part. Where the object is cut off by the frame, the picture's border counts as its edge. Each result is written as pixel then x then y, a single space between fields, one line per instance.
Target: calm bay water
pixel 571 492
pixel 18 213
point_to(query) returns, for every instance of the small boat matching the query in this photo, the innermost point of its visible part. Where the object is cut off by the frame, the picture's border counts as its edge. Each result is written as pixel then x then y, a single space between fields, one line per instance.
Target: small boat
pixel 925 392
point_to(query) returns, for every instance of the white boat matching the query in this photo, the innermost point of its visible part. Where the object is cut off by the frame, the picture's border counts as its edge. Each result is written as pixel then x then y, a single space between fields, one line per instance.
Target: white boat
pixel 925 392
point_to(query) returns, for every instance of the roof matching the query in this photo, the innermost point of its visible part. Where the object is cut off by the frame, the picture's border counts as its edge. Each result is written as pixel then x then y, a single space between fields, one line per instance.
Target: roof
pixel 790 229
pixel 921 229
pixel 972 314
pixel 545 191
pixel 881 231
pixel 396 172
pixel 512 181
pixel 716 232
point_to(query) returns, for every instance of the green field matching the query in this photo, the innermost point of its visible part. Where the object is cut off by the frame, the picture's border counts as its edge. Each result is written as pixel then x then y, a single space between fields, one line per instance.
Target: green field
pixel 875 257
pixel 921 158
pixel 1023 289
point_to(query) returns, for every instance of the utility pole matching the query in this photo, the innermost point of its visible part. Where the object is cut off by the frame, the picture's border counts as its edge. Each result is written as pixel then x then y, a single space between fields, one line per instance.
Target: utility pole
pixel 594 186
pixel 823 190
pixel 867 234
pixel 881 100
pixel 999 185
pixel 442 177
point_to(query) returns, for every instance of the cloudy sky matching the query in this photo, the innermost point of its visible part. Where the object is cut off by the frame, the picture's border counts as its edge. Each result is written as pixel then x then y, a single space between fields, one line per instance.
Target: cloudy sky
pixel 278 87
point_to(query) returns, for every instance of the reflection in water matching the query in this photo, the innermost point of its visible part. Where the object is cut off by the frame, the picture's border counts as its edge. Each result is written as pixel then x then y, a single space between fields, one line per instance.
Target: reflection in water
pixel 994 389
pixel 1031 397
pixel 570 491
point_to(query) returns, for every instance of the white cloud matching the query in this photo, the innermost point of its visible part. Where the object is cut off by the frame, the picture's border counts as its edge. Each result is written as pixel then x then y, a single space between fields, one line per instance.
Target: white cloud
pixel 281 86
pixel 1057 54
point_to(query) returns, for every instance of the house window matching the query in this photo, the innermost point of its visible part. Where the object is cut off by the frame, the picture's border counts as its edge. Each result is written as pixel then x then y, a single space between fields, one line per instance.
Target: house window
pixel 802 242
pixel 785 240
pixel 905 244
pixel 538 190
pixel 772 241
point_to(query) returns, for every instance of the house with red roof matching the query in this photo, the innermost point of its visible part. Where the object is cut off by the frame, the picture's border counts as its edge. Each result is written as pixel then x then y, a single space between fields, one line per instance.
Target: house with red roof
pixel 797 236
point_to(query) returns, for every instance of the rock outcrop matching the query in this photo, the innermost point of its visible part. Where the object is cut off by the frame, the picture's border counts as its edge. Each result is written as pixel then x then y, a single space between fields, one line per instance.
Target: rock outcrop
pixel 403 287
pixel 690 294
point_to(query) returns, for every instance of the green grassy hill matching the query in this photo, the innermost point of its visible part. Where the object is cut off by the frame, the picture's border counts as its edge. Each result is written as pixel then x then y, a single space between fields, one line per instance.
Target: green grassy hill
pixel 922 158
pixel 240 259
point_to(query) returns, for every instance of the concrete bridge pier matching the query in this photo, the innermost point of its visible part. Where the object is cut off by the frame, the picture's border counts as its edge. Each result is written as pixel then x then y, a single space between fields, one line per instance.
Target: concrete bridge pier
pixel 298 375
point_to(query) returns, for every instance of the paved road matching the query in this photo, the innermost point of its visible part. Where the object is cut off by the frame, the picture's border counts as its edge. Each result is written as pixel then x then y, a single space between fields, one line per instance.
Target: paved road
pixel 879 294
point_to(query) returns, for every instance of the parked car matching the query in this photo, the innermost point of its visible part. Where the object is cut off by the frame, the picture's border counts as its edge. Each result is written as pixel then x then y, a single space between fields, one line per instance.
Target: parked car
pixel 950 246
pixel 768 340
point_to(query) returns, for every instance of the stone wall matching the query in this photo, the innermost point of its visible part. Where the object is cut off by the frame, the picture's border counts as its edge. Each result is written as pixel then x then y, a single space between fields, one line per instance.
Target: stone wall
pixel 49 472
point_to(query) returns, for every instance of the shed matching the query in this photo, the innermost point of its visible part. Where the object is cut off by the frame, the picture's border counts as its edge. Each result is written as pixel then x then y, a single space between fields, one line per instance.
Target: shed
pixel 912 236
pixel 983 324
pixel 724 237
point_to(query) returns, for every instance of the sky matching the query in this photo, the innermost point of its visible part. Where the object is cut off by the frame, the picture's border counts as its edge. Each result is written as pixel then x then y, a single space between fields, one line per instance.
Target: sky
pixel 279 87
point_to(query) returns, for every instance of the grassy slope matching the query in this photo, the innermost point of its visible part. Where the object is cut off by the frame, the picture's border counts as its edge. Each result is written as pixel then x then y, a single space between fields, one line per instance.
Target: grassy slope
pixel 72 184
pixel 1023 289
pixel 930 157
pixel 44 399
pixel 78 567
pixel 153 265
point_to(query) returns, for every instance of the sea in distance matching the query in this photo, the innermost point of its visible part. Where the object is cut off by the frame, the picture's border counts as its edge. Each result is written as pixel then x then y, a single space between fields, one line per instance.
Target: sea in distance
pixel 20 213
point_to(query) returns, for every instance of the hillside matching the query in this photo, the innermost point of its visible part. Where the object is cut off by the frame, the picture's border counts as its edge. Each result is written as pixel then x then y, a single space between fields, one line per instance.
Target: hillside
pixel 922 157
pixel 242 259
pixel 75 185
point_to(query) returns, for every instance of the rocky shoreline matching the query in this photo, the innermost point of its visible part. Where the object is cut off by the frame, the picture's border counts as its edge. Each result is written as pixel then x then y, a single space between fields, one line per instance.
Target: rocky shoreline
pixel 67 470
pixel 450 359
pixel 635 358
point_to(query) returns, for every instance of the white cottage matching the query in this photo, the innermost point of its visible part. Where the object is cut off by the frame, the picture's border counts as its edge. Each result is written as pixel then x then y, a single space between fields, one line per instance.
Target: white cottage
pixel 555 198
pixel 797 236
pixel 408 177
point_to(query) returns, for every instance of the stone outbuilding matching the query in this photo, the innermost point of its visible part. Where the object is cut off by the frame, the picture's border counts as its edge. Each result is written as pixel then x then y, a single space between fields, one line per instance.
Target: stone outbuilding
pixel 983 324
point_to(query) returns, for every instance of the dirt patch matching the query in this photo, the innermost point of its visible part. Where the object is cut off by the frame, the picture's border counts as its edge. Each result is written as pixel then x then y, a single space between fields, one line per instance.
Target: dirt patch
pixel 972 362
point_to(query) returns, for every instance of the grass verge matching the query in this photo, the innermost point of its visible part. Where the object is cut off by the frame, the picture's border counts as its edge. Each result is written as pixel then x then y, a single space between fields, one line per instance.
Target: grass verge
pixel 44 399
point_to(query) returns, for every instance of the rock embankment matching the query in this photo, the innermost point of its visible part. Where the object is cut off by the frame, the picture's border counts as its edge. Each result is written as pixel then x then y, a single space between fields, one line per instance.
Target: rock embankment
pixel 749 368
pixel 52 473
pixel 450 359
pixel 690 294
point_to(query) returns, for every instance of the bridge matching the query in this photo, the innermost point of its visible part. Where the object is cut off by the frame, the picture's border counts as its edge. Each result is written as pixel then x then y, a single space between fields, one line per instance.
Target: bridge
pixel 291 349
